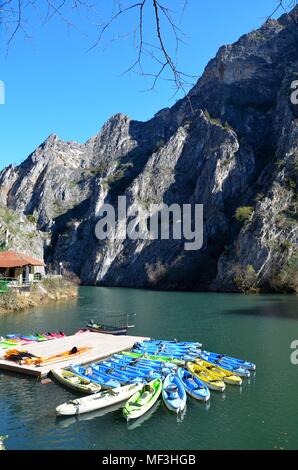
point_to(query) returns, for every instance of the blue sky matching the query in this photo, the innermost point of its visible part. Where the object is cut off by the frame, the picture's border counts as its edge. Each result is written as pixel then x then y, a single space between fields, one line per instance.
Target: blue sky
pixel 53 85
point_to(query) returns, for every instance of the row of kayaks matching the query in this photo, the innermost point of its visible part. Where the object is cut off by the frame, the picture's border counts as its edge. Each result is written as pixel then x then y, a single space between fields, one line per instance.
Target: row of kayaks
pixel 139 398
pixel 139 379
pixel 12 340
pixel 190 351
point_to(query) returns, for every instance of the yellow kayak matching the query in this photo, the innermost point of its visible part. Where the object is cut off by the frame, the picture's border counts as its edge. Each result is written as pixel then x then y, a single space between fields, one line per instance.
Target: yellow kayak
pixel 225 375
pixel 209 378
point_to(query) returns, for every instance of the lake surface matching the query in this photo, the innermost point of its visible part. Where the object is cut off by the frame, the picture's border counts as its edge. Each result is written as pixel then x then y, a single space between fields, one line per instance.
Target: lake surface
pixel 262 414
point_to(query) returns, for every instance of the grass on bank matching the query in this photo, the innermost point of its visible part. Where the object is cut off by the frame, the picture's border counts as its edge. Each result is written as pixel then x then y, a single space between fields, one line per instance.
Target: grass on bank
pixel 50 289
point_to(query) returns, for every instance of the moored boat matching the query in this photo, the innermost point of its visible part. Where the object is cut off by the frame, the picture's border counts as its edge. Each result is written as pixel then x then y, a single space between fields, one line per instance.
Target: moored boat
pixel 207 377
pixel 227 376
pixel 122 374
pixel 102 379
pixel 223 358
pixel 107 329
pixel 152 357
pixel 193 385
pixel 142 400
pixel 75 382
pixel 173 393
pixel 234 368
pixel 98 401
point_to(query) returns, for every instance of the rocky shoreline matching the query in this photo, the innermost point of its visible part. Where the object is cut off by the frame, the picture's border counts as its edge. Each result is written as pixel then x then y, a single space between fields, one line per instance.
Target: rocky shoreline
pixel 45 293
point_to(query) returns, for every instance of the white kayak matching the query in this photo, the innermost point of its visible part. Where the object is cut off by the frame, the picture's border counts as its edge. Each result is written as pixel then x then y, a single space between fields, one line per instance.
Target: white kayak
pixel 98 400
pixel 75 382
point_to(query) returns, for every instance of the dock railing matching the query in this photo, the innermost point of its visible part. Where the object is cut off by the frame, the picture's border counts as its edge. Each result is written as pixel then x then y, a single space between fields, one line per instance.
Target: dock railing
pixel 12 282
pixel 114 319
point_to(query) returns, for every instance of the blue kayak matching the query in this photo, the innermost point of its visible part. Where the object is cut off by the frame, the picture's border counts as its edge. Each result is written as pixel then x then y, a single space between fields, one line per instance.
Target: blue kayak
pixel 124 363
pixel 102 379
pixel 30 338
pixel 107 372
pixel 143 361
pixel 193 385
pixel 187 344
pixel 173 393
pixel 174 354
pixel 231 360
pixel 123 376
pixel 183 358
pixel 167 347
pixel 124 369
pixel 131 374
pixel 137 366
pixel 238 370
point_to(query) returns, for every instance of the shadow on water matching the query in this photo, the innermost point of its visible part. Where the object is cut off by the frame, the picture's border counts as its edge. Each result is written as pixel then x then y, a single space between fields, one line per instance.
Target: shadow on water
pixel 65 422
pixel 131 425
pixel 275 307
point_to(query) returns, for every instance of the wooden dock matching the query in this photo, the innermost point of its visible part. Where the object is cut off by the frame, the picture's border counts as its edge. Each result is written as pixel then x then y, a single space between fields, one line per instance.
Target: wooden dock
pixel 102 346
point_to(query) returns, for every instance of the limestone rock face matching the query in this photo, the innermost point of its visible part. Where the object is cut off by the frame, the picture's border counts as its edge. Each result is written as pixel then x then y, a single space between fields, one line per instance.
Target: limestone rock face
pixel 232 142
pixel 20 234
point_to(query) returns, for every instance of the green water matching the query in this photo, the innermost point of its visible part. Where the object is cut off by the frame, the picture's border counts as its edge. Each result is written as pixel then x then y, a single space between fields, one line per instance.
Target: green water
pixel 260 415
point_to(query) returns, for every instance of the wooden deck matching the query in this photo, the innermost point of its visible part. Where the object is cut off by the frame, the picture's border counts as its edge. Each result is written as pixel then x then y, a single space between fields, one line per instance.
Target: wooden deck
pixel 102 346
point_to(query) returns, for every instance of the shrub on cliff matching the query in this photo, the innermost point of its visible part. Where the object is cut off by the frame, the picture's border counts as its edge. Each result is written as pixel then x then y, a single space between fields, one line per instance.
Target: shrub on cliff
pixel 155 272
pixel 244 213
pixel 287 279
pixel 245 278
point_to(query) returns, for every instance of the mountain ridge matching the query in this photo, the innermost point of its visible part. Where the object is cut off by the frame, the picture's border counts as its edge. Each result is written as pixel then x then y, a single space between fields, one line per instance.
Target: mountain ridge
pixel 235 146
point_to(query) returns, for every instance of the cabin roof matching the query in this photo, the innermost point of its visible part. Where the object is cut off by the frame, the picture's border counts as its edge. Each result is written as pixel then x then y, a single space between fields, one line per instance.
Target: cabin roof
pixel 12 259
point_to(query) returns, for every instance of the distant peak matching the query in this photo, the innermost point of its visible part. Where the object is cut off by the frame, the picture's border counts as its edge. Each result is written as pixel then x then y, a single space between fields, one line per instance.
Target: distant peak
pixel 115 121
pixel 119 117
pixel 52 137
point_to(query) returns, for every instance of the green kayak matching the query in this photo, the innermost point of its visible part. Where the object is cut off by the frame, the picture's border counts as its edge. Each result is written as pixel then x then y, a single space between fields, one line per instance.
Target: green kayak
pixel 8 344
pixel 143 400
pixel 173 360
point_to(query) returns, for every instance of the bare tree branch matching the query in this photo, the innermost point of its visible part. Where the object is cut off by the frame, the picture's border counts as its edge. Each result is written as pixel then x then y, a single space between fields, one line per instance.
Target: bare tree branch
pixel 158 52
pixel 155 28
pixel 285 8
pixel 18 25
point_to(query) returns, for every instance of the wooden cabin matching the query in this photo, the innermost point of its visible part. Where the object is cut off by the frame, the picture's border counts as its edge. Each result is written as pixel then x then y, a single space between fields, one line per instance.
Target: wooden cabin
pixel 19 268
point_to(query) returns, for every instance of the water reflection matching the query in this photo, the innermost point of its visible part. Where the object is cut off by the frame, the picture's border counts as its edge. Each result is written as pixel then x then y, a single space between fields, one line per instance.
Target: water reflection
pixel 66 421
pixel 267 306
pixel 136 423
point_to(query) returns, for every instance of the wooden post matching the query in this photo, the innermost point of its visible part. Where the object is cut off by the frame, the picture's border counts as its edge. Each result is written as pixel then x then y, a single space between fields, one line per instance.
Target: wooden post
pixel 27 271
pixel 6 238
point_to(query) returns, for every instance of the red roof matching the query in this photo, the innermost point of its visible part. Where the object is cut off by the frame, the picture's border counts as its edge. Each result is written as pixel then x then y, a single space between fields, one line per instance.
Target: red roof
pixel 11 259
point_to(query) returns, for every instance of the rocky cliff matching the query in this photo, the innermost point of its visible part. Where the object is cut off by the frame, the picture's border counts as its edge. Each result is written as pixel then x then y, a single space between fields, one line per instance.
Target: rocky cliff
pixel 20 233
pixel 231 145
